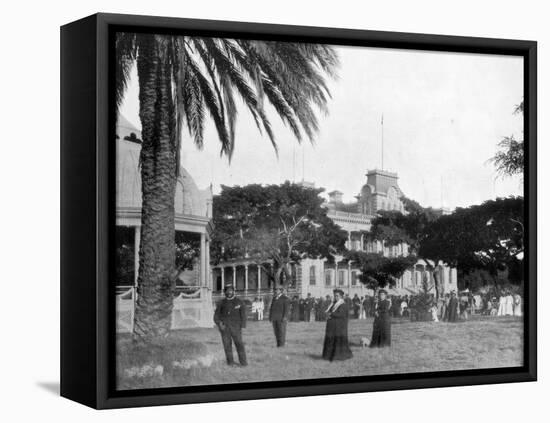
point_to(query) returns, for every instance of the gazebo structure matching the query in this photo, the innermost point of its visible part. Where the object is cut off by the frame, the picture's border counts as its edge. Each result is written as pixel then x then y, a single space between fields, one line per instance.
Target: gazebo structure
pixel 193 216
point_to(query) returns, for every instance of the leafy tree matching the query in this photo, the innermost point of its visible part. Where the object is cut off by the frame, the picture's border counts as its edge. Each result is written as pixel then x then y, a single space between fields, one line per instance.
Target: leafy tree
pixel 488 236
pixel 411 228
pixel 509 160
pixel 378 271
pixel 280 224
pixel 187 250
pixel 183 81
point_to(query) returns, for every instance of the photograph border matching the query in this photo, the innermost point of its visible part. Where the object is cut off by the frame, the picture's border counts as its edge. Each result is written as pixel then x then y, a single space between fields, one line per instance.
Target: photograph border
pixel 88 197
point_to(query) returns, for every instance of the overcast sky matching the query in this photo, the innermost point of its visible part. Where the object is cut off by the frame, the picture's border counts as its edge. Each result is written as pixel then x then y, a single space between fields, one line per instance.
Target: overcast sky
pixel 444 114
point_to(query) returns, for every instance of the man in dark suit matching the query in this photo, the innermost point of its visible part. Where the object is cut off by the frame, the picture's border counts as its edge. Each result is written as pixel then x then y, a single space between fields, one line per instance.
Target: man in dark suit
pixel 278 315
pixel 230 317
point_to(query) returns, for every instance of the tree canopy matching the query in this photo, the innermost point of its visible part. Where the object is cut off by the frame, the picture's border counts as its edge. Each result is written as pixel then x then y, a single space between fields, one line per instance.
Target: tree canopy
pixel 378 271
pixel 509 159
pixel 488 236
pixel 280 224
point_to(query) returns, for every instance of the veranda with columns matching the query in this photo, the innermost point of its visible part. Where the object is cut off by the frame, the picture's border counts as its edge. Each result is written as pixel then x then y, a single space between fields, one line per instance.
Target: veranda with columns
pixel 248 278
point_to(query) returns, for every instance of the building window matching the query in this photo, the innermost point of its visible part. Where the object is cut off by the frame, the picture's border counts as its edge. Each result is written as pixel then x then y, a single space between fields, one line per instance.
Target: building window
pixel 328 278
pixel 354 278
pixel 312 279
pixel 341 277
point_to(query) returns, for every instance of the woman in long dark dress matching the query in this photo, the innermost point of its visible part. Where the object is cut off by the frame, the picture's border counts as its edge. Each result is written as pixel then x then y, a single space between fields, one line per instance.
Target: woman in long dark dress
pixel 381 329
pixel 336 345
pixel 452 314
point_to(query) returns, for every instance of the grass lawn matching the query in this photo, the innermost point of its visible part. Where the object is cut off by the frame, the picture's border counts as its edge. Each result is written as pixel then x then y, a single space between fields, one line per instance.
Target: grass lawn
pixel 482 342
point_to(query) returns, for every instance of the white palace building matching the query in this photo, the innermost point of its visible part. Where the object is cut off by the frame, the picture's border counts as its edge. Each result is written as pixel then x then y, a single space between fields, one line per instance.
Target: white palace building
pixel 316 276
pixel 198 289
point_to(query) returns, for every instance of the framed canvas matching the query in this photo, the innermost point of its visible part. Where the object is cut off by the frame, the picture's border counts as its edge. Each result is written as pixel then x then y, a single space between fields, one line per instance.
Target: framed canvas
pixel 258 211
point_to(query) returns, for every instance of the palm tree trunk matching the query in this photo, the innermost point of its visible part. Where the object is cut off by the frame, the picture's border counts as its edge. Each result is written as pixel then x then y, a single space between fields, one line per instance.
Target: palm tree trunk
pixel 156 278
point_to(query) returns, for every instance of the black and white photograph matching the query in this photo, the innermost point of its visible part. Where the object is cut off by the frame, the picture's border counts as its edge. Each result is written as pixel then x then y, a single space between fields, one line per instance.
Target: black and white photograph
pixel 289 210
pixel 233 211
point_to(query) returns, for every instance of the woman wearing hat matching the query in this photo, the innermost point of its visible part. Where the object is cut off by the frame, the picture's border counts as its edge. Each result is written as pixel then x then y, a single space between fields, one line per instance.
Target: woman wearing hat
pixel 381 329
pixel 336 345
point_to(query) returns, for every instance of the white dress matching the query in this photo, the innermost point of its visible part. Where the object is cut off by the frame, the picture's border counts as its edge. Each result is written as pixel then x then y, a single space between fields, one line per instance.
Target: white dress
pixel 501 305
pixel 434 314
pixel 517 305
pixel 509 307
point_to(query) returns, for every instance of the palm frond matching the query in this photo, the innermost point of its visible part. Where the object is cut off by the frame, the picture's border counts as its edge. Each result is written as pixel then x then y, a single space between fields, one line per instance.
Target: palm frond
pixel 125 47
pixel 211 101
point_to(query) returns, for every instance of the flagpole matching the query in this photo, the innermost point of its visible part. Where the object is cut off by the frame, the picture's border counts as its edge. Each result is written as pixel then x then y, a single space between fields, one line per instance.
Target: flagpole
pixel 382 124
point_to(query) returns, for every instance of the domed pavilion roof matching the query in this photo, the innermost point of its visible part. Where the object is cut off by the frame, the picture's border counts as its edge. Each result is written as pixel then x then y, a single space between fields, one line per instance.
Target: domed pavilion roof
pixel 189 199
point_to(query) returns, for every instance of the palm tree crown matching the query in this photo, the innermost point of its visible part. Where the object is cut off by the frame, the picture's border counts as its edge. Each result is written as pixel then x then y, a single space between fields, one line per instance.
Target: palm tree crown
pixel 208 73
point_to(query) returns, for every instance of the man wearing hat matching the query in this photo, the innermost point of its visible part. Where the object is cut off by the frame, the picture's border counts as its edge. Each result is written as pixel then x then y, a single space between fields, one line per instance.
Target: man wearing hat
pixel 230 317
pixel 278 316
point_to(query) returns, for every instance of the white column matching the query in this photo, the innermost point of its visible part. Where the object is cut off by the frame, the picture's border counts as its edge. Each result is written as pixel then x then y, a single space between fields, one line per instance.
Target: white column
pixel 235 278
pixel 259 276
pixel 223 277
pixel 208 268
pixel 349 240
pixel 203 271
pixel 335 273
pixel 362 242
pixel 137 240
pixel 246 278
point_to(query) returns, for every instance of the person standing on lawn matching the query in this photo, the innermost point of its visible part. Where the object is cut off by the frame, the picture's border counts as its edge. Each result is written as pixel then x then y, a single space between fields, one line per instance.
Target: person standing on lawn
pixel 308 308
pixel 381 328
pixel 452 308
pixel 445 312
pixel 362 313
pixel 258 308
pixel 278 315
pixel 517 305
pixel 509 303
pixel 335 346
pixel 356 301
pixel 230 317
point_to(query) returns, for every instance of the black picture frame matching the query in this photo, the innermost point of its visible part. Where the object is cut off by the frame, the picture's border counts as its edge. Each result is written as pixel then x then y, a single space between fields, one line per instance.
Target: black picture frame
pixel 87 198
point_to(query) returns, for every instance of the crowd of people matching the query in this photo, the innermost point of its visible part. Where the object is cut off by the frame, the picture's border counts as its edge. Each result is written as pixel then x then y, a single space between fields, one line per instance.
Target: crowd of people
pixel 231 315
pixel 311 309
